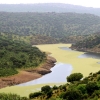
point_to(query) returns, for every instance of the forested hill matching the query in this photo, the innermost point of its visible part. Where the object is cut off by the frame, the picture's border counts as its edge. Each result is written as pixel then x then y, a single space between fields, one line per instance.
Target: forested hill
pixel 48 7
pixel 49 24
pixel 90 43
pixel 17 54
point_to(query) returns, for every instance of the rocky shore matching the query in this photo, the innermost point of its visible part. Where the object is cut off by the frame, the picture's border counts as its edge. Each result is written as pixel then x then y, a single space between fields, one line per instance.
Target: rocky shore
pixel 29 74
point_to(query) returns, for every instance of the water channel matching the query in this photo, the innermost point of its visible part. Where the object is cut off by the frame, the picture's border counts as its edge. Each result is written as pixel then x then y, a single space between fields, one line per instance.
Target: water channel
pixel 60 71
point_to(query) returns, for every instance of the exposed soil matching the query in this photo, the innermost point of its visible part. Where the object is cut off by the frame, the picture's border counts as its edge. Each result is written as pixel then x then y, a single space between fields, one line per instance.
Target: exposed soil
pixel 29 74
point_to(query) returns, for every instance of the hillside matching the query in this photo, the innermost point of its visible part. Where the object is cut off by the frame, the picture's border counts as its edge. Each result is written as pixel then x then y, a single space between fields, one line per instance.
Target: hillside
pixel 76 89
pixel 31 39
pixel 48 7
pixel 56 25
pixel 16 55
pixel 91 43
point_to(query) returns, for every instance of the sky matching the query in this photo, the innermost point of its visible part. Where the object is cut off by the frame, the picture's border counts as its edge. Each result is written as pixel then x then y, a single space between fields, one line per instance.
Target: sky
pixel 87 3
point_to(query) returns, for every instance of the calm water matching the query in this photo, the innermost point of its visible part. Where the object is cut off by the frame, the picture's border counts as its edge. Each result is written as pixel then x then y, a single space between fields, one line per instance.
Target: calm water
pixel 59 73
pixel 84 55
pixel 90 55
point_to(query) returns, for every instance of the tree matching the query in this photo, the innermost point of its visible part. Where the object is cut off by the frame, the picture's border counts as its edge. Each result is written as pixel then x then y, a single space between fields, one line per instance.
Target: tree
pixel 45 89
pixel 91 87
pixel 33 95
pixel 72 95
pixel 74 77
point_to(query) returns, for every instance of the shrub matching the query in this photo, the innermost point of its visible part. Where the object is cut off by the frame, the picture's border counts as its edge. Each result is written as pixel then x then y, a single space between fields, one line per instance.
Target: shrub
pixel 74 77
pixel 82 88
pixel 98 78
pixel 49 94
pixel 72 95
pixel 54 87
pixel 45 89
pixel 91 87
pixel 33 95
pixel 4 96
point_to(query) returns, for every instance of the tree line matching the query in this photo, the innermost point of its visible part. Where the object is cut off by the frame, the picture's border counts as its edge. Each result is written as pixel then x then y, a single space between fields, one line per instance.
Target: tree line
pixel 50 24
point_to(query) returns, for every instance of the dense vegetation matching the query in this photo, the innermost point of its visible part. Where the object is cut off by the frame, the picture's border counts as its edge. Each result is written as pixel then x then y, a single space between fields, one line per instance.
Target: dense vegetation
pixel 86 89
pixel 49 24
pixel 48 7
pixel 76 88
pixel 18 54
pixel 91 43
pixel 4 96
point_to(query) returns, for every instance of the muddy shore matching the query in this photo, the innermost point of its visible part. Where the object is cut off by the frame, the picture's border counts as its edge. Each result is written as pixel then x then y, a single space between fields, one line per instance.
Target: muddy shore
pixel 29 74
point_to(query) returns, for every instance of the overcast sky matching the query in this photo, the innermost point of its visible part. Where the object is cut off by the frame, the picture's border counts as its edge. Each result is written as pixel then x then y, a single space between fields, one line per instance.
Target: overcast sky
pixel 87 3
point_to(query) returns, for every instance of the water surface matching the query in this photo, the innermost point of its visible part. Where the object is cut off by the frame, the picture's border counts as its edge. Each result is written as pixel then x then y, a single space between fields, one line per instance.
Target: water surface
pixel 58 75
pixel 84 55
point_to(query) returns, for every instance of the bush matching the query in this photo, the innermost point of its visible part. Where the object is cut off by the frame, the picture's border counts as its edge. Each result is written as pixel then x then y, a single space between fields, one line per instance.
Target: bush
pixel 85 96
pixel 45 89
pixel 4 96
pixel 72 95
pixel 54 87
pixel 82 88
pixel 7 72
pixel 49 94
pixel 74 77
pixel 91 87
pixel 33 95
pixel 98 78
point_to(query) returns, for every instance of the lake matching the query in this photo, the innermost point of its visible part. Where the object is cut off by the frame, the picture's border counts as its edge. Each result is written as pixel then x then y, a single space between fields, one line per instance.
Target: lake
pixel 60 71
pixel 84 55
pixel 70 63
pixel 58 75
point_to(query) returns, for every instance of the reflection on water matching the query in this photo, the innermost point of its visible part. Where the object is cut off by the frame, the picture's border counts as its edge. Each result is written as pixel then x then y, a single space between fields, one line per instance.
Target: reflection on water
pixel 90 55
pixel 84 55
pixel 59 73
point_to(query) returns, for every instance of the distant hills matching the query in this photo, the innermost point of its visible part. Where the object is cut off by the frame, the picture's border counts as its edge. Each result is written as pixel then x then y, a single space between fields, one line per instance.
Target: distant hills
pixel 48 7
pixel 49 24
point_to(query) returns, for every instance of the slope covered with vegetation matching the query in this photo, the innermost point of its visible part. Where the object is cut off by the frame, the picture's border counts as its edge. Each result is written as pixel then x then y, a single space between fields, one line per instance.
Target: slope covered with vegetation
pixel 76 89
pixel 49 24
pixel 18 54
pixel 91 43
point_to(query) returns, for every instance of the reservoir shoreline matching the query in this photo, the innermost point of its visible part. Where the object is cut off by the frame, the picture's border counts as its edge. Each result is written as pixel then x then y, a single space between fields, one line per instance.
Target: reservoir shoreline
pixel 29 74
pixel 79 65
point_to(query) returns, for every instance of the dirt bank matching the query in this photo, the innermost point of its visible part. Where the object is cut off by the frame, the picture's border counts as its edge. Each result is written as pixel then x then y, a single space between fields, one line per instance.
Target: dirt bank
pixel 28 75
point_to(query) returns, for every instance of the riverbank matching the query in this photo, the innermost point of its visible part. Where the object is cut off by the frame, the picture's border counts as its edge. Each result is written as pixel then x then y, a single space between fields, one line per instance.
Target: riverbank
pixel 29 74
pixel 82 65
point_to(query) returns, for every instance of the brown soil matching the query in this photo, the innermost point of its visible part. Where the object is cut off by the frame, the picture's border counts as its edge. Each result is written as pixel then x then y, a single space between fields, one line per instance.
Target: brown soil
pixel 29 74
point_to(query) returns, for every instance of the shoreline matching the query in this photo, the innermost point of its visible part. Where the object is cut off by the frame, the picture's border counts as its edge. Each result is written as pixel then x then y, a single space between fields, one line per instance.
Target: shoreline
pixel 29 74
pixel 82 65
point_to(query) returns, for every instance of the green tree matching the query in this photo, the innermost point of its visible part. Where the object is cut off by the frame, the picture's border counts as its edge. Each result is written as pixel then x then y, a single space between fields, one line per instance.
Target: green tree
pixel 91 87
pixel 74 77
pixel 45 89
